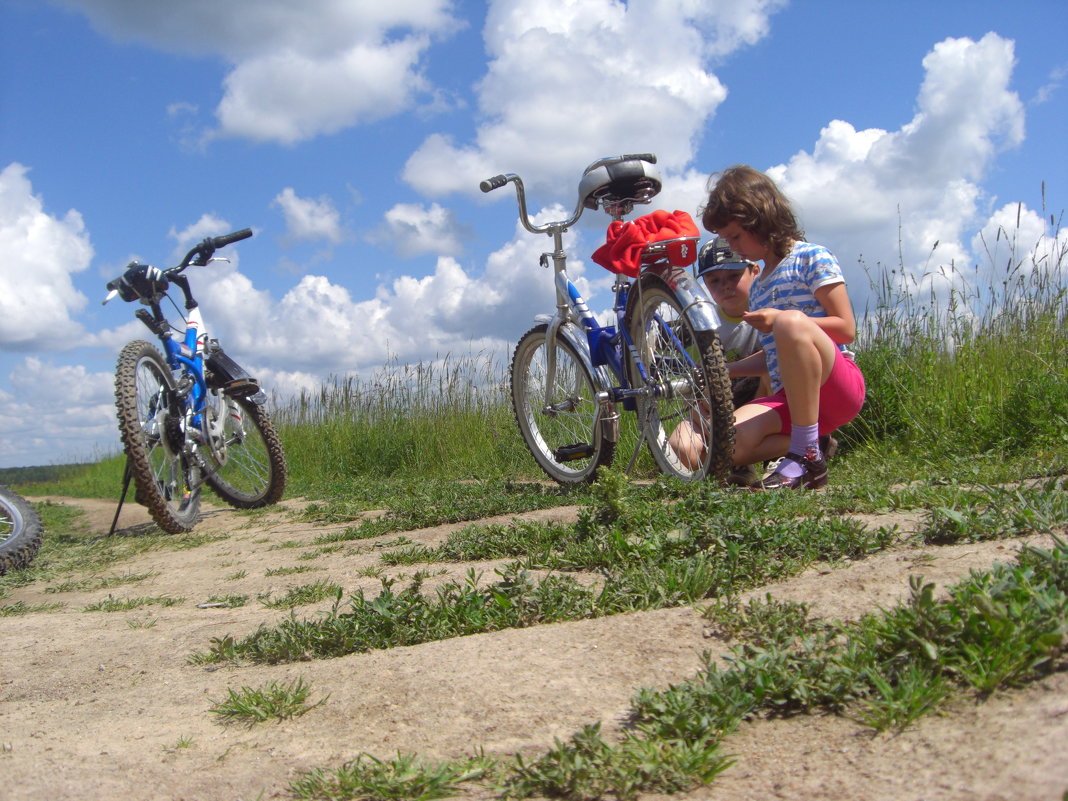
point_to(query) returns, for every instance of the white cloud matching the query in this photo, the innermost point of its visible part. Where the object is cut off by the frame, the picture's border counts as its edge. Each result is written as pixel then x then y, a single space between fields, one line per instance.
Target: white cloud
pixel 41 252
pixel 318 328
pixel 206 225
pixel 569 79
pixel 308 218
pixel 300 69
pixel 412 229
pixel 56 414
pixel 891 196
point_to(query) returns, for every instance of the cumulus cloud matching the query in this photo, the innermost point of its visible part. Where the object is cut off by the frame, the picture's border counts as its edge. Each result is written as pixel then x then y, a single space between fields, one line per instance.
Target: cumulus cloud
pixel 412 229
pixel 300 69
pixel 893 196
pixel 206 225
pixel 319 328
pixel 62 411
pixel 41 253
pixel 569 79
pixel 309 218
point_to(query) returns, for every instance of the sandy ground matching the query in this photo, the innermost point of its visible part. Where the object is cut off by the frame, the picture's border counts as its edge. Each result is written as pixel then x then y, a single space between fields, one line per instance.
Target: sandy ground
pixel 102 706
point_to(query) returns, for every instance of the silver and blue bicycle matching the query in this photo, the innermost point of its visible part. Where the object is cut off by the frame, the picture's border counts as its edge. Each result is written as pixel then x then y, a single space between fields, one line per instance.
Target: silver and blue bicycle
pixel 662 358
pixel 191 415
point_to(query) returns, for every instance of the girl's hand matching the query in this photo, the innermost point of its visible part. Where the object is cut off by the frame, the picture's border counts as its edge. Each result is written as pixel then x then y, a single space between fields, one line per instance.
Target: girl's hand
pixel 761 319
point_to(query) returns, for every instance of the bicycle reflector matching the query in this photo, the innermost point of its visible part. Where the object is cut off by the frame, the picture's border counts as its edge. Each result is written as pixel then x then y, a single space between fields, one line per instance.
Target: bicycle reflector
pixel 682 252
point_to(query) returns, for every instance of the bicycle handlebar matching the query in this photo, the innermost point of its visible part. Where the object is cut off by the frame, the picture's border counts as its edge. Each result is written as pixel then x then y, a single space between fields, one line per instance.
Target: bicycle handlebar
pixel 137 279
pixel 497 181
pixel 207 247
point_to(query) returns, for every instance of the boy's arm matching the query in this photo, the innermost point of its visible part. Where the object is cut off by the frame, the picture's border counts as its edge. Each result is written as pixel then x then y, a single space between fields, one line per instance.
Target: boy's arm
pixel 753 364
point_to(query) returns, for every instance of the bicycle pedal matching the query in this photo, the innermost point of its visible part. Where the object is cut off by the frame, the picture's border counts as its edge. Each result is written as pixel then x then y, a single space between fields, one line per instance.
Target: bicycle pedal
pixel 568 453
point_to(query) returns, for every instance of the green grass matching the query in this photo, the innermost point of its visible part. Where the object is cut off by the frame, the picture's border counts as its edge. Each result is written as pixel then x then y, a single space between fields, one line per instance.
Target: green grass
pixel 966 421
pixel 407 776
pixel 996 629
pixel 650 547
pixel 111 604
pixel 275 701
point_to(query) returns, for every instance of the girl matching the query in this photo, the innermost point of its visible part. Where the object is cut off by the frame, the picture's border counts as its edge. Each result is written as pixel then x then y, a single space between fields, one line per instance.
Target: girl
pixel 800 306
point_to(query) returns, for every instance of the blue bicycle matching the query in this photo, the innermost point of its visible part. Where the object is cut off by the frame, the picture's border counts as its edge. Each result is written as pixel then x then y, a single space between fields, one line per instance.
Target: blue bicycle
pixel 190 416
pixel 662 359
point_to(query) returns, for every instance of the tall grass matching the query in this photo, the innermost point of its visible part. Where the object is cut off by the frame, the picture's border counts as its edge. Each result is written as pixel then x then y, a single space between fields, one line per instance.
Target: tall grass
pixel 958 362
pixel 961 362
pixel 451 418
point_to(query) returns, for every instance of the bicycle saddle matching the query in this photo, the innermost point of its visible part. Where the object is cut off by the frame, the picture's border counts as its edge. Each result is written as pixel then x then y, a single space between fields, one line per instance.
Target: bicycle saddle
pixel 618 182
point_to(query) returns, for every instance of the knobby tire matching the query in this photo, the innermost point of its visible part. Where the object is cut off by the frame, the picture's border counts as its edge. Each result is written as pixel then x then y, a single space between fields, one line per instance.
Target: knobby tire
pixel 20 531
pixel 166 481
pixel 247 469
pixel 702 391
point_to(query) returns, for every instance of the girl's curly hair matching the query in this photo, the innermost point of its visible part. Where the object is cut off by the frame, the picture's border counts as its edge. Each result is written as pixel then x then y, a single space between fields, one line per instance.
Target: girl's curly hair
pixel 752 199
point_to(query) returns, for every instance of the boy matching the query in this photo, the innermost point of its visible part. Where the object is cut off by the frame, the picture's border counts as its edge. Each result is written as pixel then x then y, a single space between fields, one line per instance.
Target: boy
pixel 727 277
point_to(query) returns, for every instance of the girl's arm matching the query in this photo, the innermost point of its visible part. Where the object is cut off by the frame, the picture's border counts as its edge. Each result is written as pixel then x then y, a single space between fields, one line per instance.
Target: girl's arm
pixel 839 323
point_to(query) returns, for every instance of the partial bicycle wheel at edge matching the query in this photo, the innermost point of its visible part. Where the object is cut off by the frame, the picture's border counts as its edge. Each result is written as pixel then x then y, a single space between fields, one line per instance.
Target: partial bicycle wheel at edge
pixel 560 426
pixel 167 483
pixel 694 397
pixel 20 531
pixel 245 464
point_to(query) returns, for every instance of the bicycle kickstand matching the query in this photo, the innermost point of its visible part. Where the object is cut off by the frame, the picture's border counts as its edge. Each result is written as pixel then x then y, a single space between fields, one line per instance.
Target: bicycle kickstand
pixel 127 474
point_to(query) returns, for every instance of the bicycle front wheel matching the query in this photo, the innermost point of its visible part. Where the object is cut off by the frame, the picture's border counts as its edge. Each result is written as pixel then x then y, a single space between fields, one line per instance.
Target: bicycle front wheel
pixel 20 531
pixel 150 425
pixel 688 418
pixel 245 463
pixel 559 422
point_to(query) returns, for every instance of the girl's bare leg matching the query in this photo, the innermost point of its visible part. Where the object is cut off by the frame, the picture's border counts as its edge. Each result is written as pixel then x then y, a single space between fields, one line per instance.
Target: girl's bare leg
pixel 806 356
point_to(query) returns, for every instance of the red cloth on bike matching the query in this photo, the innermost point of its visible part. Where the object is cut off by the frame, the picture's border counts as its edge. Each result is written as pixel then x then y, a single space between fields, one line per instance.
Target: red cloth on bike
pixel 622 252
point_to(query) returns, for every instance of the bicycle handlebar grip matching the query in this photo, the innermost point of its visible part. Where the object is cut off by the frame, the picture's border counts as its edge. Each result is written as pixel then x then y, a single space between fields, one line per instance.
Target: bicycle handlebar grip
pixel 496 182
pixel 650 157
pixel 228 239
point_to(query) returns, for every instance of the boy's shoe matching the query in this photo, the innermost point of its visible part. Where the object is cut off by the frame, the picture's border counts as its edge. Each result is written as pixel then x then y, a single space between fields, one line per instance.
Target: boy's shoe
pixel 828 445
pixel 813 476
pixel 743 475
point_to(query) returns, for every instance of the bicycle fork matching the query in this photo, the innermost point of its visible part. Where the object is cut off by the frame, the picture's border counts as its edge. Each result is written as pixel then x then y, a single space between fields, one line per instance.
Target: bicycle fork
pixel 606 419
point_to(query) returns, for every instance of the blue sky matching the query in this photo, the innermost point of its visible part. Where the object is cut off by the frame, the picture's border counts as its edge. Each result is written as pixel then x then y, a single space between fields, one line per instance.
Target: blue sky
pixel 351 137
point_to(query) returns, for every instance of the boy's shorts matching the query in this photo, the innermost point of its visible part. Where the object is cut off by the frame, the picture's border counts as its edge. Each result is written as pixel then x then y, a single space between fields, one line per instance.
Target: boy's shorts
pixel 841 397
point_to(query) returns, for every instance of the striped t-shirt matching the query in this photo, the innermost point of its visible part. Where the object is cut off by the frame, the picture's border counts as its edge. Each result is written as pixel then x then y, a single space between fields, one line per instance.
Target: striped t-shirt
pixel 792 285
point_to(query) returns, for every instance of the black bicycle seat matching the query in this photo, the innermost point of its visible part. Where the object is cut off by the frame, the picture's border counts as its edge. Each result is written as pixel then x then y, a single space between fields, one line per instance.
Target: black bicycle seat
pixel 617 182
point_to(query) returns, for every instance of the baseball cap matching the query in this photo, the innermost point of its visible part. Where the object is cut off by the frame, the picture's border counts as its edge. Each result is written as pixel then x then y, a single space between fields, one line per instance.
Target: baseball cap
pixel 716 254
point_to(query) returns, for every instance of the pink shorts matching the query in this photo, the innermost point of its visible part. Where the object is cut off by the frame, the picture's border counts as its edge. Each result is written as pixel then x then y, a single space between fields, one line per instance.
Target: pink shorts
pixel 841 397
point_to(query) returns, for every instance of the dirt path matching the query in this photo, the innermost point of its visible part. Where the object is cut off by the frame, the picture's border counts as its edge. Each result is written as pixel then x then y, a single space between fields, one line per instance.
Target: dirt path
pixel 105 705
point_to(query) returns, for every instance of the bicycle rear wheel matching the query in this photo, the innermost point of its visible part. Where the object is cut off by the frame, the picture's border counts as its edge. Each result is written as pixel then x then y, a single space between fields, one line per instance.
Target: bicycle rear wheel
pixel 20 531
pixel 688 422
pixel 245 463
pixel 152 435
pixel 559 423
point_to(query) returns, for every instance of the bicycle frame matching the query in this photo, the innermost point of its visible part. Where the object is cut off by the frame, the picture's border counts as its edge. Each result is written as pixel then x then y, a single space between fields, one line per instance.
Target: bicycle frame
pixel 607 346
pixel 188 356
pixel 660 359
